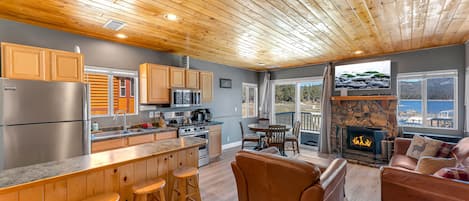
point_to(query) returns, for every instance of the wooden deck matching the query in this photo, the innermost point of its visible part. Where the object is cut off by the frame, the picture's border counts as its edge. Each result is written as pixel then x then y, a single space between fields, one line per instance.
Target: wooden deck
pixel 217 182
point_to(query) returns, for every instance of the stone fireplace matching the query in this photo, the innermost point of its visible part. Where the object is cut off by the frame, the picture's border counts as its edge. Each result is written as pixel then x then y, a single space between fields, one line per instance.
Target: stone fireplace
pixel 360 123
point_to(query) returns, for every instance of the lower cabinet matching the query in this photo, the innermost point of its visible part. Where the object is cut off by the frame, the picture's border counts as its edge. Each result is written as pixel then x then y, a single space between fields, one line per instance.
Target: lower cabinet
pixel 114 178
pixel 214 139
pixel 106 145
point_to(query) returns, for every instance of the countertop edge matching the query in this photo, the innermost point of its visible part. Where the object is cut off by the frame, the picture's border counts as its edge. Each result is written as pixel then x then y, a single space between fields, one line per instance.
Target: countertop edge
pixel 14 187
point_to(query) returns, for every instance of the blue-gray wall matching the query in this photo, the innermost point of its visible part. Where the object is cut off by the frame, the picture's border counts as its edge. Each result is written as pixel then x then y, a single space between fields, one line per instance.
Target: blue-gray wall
pixel 104 53
pixel 442 58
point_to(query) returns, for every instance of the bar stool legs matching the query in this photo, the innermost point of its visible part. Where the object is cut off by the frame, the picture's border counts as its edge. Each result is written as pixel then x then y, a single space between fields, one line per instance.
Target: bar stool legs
pixel 186 186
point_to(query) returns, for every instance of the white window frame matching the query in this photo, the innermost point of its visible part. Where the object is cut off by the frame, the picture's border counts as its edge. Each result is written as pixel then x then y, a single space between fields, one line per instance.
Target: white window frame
pixel 296 82
pixel 424 76
pixel 111 72
pixel 256 99
pixel 122 87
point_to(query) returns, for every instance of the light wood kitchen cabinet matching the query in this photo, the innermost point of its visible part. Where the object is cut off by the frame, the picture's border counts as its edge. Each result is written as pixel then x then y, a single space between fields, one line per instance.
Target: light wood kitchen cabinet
pixel 24 62
pixel 154 84
pixel 178 77
pixel 166 135
pixel 35 63
pixel 140 139
pixel 206 86
pixel 66 66
pixel 108 145
pixel 192 79
pixel 214 139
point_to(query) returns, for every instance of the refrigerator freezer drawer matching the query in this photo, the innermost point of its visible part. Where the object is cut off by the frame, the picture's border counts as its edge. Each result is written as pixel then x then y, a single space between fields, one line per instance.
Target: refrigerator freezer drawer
pixel 28 101
pixel 36 143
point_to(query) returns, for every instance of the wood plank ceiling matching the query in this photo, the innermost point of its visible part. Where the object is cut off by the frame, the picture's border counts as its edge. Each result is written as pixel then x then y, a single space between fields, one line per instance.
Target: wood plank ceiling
pixel 248 33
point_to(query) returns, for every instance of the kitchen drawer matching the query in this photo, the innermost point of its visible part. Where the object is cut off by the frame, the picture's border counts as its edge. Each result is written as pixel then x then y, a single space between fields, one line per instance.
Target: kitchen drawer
pixel 140 139
pixel 166 135
pixel 108 145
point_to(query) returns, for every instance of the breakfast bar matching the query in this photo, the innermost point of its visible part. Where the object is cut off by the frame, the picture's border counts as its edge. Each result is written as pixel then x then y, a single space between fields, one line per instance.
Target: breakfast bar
pixel 110 171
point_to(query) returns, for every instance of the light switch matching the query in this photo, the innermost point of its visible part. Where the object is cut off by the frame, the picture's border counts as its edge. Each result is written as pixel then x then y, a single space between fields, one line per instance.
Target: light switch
pixel 152 114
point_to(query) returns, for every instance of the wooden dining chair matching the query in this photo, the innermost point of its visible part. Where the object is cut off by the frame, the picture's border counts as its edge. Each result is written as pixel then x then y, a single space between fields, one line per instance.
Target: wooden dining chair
pixel 248 137
pixel 275 137
pixel 294 137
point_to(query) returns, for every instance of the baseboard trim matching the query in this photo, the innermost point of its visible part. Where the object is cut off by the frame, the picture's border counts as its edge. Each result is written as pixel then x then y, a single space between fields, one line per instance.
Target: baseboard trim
pixel 231 145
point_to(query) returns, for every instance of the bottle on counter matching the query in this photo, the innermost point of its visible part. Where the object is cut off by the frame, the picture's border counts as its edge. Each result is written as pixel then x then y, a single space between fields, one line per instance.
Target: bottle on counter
pixel 95 126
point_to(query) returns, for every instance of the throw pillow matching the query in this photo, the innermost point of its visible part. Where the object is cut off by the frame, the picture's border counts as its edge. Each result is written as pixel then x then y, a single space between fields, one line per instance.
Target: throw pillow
pixel 416 147
pixel 445 150
pixel 431 147
pixel 453 173
pixel 429 165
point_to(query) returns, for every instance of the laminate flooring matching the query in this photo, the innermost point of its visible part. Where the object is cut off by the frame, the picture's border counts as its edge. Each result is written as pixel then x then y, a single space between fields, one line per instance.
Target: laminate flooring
pixel 217 182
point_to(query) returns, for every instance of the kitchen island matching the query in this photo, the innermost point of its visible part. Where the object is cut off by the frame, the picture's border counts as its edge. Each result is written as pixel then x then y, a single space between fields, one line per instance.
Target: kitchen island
pixel 110 171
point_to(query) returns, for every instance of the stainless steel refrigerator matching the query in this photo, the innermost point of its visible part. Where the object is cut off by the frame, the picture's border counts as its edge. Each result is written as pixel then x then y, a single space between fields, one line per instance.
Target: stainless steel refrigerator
pixel 42 121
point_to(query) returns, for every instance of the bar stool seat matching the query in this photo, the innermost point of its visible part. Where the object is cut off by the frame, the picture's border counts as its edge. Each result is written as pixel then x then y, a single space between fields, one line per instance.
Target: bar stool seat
pixel 104 197
pixel 186 186
pixel 142 190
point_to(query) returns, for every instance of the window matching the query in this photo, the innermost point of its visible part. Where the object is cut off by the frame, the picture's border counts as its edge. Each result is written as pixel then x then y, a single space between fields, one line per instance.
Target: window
pixel 249 104
pixel 111 87
pixel 428 100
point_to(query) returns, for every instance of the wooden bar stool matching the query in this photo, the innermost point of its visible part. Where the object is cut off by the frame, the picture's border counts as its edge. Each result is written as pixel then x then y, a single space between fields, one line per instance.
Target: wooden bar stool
pixel 186 186
pixel 150 187
pixel 104 197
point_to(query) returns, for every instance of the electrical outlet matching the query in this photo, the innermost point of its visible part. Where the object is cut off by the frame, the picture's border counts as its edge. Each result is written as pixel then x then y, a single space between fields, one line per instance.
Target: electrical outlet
pixel 236 109
pixel 228 138
pixel 152 114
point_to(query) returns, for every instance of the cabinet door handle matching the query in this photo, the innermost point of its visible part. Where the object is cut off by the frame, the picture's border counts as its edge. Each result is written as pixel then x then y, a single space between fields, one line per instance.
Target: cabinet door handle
pixel 125 178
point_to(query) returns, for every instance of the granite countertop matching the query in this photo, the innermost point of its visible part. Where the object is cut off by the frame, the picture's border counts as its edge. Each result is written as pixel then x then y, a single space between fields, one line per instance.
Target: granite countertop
pixel 114 135
pixel 42 171
pixel 213 123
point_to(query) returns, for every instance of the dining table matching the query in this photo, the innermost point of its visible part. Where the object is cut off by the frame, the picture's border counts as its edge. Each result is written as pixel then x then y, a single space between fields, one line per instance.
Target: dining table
pixel 259 127
pixel 264 128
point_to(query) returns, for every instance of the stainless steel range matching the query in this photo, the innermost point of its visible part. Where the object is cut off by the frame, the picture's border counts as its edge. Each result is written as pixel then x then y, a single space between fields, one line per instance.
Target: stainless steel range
pixel 200 131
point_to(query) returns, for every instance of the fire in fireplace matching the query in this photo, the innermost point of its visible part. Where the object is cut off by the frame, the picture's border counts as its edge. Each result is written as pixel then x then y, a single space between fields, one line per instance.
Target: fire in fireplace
pixel 365 139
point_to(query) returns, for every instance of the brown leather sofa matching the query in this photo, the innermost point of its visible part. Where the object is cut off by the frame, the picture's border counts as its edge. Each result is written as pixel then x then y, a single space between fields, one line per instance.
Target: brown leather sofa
pixel 399 181
pixel 268 177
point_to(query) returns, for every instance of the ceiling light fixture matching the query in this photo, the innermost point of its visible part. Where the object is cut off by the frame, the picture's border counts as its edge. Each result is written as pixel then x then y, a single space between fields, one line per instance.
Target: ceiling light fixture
pixel 359 52
pixel 261 64
pixel 171 17
pixel 121 35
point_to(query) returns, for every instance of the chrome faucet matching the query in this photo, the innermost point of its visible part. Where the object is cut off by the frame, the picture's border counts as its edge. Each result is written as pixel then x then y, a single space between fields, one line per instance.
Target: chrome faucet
pixel 124 127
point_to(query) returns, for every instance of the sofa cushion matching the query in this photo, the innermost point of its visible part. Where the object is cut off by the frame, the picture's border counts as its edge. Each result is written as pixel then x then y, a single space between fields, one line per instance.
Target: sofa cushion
pixel 445 150
pixel 432 147
pixel 416 147
pixel 429 165
pixel 403 161
pixel 453 173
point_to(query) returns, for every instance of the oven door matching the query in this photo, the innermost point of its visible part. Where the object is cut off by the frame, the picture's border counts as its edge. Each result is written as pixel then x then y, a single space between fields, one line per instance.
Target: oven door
pixel 203 135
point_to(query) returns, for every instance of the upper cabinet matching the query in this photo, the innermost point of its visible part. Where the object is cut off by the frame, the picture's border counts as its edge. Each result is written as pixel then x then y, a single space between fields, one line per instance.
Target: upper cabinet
pixel 23 62
pixel 34 63
pixel 192 79
pixel 66 66
pixel 177 77
pixel 206 86
pixel 154 84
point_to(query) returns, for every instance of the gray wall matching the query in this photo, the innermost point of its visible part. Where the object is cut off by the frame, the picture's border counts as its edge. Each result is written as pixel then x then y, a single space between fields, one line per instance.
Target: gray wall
pixel 443 58
pixel 115 55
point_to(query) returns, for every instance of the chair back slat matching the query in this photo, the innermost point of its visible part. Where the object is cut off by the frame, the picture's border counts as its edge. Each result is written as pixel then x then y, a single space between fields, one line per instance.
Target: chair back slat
pixel 242 129
pixel 297 129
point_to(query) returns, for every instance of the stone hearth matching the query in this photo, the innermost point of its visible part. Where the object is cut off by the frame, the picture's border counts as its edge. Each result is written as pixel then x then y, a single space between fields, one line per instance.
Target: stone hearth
pixel 366 112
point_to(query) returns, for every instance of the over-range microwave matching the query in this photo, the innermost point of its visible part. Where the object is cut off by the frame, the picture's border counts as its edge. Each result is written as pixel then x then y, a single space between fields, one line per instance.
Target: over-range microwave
pixel 181 97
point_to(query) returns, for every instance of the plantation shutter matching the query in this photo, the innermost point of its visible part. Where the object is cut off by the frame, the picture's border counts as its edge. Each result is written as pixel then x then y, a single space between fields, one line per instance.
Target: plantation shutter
pixel 99 93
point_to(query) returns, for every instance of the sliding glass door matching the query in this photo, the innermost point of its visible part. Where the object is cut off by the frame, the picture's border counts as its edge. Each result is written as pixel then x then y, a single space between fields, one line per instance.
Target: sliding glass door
pixel 298 99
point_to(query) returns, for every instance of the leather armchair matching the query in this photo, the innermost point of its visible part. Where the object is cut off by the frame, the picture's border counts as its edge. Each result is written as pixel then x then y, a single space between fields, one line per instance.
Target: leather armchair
pixel 399 181
pixel 267 177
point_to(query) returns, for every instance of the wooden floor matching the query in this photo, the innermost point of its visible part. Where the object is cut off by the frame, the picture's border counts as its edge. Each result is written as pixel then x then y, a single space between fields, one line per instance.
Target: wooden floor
pixel 217 182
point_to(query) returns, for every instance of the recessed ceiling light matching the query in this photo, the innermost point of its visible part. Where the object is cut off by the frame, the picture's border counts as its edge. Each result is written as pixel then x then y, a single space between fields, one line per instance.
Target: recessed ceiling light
pixel 121 35
pixel 261 64
pixel 359 52
pixel 171 17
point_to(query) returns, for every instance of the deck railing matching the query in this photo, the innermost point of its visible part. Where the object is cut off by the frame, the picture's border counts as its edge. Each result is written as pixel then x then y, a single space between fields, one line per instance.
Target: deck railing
pixel 310 121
